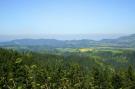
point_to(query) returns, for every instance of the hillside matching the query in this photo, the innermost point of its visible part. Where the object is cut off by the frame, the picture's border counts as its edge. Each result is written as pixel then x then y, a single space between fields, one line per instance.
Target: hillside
pixel 90 70
pixel 122 42
pixel 125 41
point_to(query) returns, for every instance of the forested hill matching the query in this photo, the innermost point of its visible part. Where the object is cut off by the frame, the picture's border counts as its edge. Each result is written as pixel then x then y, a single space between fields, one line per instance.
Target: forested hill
pixel 125 41
pixel 30 70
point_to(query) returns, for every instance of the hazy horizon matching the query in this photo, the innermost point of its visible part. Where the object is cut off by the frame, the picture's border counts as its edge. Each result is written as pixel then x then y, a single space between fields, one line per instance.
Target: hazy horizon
pixel 95 36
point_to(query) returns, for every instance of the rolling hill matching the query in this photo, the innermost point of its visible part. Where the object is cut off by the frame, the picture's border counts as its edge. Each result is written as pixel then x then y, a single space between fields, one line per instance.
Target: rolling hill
pixel 122 42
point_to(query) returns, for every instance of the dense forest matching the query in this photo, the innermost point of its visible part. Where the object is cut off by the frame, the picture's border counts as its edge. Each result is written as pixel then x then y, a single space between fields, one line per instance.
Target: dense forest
pixel 76 70
pixel 67 44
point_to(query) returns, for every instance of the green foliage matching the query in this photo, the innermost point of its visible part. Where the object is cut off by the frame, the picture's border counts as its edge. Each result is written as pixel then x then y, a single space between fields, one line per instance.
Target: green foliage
pixel 28 70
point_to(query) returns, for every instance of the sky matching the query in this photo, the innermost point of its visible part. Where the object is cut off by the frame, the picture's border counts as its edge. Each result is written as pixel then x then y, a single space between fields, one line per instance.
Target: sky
pixel 30 17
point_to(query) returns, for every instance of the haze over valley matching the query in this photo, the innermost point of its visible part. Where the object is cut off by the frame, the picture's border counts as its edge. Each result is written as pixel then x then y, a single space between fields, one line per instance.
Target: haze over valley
pixel 67 44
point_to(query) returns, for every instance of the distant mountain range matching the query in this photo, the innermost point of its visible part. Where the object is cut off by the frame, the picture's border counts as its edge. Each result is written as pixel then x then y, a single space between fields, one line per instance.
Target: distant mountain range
pixel 125 41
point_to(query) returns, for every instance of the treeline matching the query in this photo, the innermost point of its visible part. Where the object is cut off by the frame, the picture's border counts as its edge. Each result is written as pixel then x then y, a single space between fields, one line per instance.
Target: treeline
pixel 27 70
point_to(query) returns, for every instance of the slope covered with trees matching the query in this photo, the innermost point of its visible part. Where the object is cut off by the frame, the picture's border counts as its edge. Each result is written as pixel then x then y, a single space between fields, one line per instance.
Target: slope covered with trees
pixel 121 42
pixel 29 70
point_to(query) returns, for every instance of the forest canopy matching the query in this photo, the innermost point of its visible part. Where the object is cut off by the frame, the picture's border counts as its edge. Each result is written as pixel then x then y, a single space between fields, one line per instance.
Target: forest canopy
pixel 31 70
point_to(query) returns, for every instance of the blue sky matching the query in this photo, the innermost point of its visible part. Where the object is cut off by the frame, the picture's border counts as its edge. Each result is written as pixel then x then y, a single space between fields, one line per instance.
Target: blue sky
pixel 67 17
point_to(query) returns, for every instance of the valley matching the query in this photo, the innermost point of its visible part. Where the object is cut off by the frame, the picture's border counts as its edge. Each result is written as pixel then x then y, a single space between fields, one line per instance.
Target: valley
pixel 52 64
